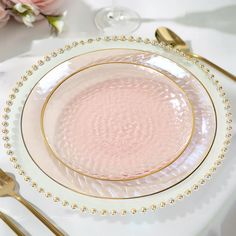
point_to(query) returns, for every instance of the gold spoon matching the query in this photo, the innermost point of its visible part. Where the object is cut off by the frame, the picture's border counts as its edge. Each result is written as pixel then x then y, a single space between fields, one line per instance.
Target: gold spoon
pixel 166 35
pixel 9 222
pixel 7 188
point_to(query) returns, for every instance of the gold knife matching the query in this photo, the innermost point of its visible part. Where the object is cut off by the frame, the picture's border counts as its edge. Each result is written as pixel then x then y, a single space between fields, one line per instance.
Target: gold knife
pixel 9 222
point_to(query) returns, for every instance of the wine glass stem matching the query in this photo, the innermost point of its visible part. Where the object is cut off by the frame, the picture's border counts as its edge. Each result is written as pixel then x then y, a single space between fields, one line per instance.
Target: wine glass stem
pixel 115 15
pixel 113 3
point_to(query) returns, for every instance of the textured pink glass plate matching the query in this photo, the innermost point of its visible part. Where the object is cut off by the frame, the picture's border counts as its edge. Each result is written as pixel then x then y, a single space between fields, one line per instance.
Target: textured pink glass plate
pixel 117 121
pixel 187 163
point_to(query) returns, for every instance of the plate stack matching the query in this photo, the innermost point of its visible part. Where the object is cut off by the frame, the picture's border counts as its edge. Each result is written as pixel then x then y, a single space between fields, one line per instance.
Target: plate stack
pixel 117 125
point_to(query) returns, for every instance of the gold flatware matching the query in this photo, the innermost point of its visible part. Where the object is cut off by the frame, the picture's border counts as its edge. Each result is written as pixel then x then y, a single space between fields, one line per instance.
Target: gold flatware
pixel 166 35
pixel 9 222
pixel 7 188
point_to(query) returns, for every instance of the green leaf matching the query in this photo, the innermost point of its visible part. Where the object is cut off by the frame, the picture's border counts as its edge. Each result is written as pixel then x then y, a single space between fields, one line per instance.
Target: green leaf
pixel 56 23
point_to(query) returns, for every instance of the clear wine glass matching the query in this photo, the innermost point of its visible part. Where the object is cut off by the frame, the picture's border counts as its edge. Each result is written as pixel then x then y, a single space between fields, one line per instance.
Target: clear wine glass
pixel 117 20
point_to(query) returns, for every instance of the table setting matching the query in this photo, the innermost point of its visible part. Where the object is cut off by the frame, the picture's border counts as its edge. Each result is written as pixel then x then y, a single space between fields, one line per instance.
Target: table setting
pixel 120 127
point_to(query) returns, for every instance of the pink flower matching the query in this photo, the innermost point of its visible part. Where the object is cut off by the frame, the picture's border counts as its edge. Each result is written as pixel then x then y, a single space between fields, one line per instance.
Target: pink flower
pixel 46 7
pixel 29 11
pixel 4 16
pixel 23 11
pixel 49 7
pixel 11 3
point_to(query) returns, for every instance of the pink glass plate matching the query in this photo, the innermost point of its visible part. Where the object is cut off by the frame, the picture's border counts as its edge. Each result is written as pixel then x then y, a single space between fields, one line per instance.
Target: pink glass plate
pixel 117 121
pixel 190 160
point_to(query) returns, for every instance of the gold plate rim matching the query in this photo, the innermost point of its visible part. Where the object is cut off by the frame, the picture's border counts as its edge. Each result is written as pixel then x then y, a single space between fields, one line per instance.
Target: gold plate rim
pixel 49 96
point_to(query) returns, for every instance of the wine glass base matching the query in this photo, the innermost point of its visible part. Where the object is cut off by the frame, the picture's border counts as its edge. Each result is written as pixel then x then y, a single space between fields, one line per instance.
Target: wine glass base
pixel 117 20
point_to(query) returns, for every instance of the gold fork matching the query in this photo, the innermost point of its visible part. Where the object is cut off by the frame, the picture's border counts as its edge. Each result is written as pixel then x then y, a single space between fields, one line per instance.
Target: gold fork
pixel 9 222
pixel 7 188
pixel 166 35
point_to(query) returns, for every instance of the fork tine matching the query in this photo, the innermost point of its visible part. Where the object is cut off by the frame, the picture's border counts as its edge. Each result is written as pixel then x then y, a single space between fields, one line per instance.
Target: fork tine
pixel 4 176
pixel 1 183
pixel 2 173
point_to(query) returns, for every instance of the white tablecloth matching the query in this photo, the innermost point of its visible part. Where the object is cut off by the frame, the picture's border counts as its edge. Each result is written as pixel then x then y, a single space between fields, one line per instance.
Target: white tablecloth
pixel 210 26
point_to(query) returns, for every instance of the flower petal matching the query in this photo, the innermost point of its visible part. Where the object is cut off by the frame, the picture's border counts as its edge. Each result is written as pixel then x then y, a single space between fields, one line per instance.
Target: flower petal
pixel 19 7
pixel 56 23
pixel 28 19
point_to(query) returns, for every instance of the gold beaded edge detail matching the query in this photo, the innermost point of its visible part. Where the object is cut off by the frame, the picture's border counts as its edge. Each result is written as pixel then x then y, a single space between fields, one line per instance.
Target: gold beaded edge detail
pixel 104 212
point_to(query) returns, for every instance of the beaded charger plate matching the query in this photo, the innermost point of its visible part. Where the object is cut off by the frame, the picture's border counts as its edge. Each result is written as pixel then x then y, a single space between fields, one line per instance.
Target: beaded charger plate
pixel 45 105
pixel 102 203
